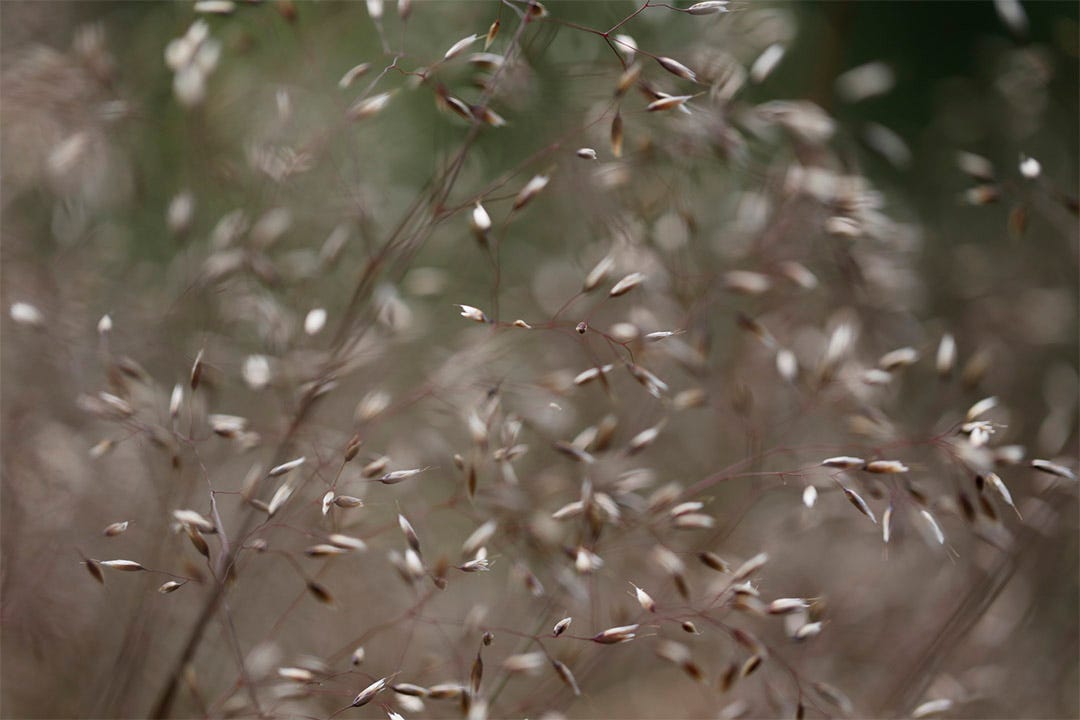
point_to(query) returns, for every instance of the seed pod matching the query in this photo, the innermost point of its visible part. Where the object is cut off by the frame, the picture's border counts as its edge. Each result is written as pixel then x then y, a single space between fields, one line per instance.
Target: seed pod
pixel 476 675
pixel 946 355
pixel 352 74
pixel 627 79
pixel 176 399
pixel 627 46
pixel 115 529
pixel 728 677
pixel 561 626
pixel 668 102
pixel 530 581
pixel 695 521
pixel 766 62
pixel 102 448
pixel 808 630
pixel 324 550
pixel 566 676
pixel 685 508
pixel 393 478
pixel 122 565
pixel 531 190
pixel 368 694
pixel 367 107
pixel 834 697
pixel 285 467
pixel 895 359
pixel 617 135
pixel 480 221
pixel 410 534
pixel 643 439
pixel 296 674
pixel 644 599
pixel 445 691
pixel 713 561
pixel 190 518
pixel 478 538
pixel 860 504
pixel 198 541
pixel 999 486
pixel 627 284
pixel 413 565
pixel 94 570
pixel 785 606
pixel 799 274
pixel 525 662
pixel 934 527
pixel 375 467
pixel 471 481
pixel 708 7
pixel 615 635
pixel 458 107
pixel 752 663
pixel 410 690
pixel 348 501
pixel 471 313
pixel 170 586
pixel 677 68
pixel 281 496
pixel 586 561
pixel 479 564
pixel 932 707
pixel 493 30
pixel 886 467
pixel 353 447
pixel 844 462
pixel 196 371
pixel 786 364
pixel 320 593
pixel 750 567
pixel 227 426
pixel 347 542
pixel 460 45
pixel 574 453
pixel 357 657
pixel 592 373
pixel 116 405
pixel 1052 468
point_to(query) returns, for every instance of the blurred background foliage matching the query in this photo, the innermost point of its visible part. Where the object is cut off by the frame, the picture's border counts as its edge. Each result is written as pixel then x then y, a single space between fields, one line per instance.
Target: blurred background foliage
pixel 92 236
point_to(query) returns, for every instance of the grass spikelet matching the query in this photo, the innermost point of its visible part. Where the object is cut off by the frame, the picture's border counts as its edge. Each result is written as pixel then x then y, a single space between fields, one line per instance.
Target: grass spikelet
pixel 566 676
pixel 859 504
pixel 122 565
pixel 368 693
pixel 677 68
pixel 114 529
pixel 615 635
pixel 617 135
pixel 1055 469
pixel 530 191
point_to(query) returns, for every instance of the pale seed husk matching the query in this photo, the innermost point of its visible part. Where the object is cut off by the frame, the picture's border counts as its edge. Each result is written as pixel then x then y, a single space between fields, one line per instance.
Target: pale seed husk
pixel 122 565
pixel 566 676
pixel 116 528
